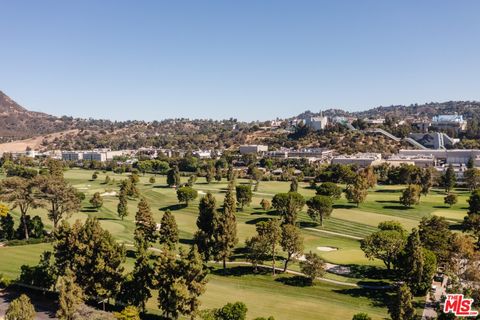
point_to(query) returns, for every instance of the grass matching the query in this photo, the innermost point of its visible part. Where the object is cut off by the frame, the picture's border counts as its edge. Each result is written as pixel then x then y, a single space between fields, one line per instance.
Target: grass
pixel 263 294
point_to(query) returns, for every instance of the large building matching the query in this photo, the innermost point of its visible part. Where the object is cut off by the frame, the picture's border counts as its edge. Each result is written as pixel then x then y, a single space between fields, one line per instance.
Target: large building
pixel 453 156
pixel 317 123
pixel 253 148
pixel 93 155
pixel 360 159
pixel 449 121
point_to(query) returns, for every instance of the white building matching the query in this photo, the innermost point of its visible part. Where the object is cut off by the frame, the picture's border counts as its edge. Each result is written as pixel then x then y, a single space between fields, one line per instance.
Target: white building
pixel 317 123
pixel 360 159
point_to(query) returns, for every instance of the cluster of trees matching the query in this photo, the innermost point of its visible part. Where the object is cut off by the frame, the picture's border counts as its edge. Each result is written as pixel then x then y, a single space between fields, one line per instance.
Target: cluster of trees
pixel 48 190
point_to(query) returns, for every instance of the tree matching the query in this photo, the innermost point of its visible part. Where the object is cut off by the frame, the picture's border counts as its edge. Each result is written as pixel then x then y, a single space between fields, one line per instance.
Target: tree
pixel 95 175
pixel 265 204
pixel 319 207
pixel 329 189
pixel 435 235
pixel 128 313
pixel 361 316
pixel 129 187
pixel 413 260
pixel 294 185
pixel 257 176
pixel 291 242
pixel 288 205
pixel 356 192
pixel 145 225
pixel 136 289
pixel 244 195
pixel 186 194
pixel 450 199
pixel 55 168
pixel 369 176
pixel 151 180
pixel 426 180
pixel 449 179
pixel 225 233
pixel 96 201
pixel 232 311
pixel 207 225
pixel 180 282
pixel 7 230
pixel 472 178
pixel 472 220
pixel 410 196
pixel 313 266
pixel 230 203
pixel 93 256
pixel 122 207
pixel 218 174
pixel 402 308
pixel 20 192
pixel 385 245
pixel 191 180
pixel 41 275
pixel 168 234
pixel 173 177
pixel 70 296
pixel 107 180
pixel 20 309
pixel 271 232
pixel 257 250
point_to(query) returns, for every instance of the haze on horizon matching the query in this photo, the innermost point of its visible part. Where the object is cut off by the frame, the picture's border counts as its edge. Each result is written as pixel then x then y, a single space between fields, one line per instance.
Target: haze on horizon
pixel 249 60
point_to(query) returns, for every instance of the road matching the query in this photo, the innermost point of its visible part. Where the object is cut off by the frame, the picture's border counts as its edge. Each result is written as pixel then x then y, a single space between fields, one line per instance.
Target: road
pixel 43 306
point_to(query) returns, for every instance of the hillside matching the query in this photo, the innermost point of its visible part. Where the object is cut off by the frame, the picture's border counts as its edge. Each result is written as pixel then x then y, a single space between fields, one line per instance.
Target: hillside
pixel 20 128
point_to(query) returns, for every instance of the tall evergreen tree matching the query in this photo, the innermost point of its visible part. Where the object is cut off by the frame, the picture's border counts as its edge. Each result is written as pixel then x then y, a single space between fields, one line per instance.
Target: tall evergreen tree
pixel 226 230
pixel 180 282
pixel 122 207
pixel 207 224
pixel 449 179
pixel 413 259
pixel 173 177
pixel 402 308
pixel 168 234
pixel 230 203
pixel 294 185
pixel 92 254
pixel 146 228
pixel 136 289
pixel 70 296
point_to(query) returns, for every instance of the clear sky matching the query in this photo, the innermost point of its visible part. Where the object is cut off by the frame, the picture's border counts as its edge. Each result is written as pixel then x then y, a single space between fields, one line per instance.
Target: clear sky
pixel 245 59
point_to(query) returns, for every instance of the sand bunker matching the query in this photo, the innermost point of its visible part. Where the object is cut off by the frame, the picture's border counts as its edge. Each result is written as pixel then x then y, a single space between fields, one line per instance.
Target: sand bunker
pixel 106 194
pixel 327 249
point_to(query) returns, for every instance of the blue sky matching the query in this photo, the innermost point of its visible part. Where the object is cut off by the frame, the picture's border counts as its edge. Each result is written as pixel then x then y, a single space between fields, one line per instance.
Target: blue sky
pixel 244 59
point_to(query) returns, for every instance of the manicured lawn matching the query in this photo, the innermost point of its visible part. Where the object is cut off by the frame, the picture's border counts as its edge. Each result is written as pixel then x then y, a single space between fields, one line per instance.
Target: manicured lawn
pixel 263 294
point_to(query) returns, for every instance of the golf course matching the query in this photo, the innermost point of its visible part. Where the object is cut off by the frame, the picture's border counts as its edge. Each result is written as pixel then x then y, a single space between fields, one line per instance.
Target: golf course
pixel 339 295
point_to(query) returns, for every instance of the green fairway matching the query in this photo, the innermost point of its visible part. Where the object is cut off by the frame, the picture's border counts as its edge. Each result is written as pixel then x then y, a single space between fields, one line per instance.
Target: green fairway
pixel 263 294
